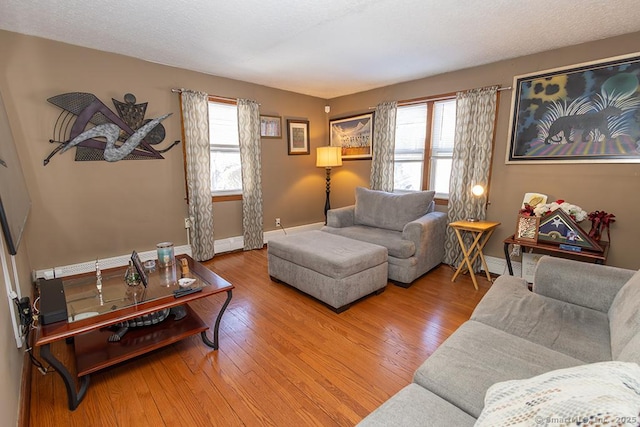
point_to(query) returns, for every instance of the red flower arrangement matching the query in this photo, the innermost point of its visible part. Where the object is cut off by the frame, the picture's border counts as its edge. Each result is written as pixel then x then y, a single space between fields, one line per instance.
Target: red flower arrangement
pixel 600 221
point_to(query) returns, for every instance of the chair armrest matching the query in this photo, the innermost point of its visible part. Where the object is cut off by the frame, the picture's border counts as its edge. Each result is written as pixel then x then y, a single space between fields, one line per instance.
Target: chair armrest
pixel 428 234
pixel 587 285
pixel 341 217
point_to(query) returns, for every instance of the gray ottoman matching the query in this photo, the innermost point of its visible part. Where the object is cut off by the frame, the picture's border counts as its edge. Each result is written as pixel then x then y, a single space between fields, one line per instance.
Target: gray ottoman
pixel 334 269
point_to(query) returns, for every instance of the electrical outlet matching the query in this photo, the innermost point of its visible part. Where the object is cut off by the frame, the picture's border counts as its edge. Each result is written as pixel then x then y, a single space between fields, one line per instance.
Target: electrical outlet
pixel 187 222
pixel 277 222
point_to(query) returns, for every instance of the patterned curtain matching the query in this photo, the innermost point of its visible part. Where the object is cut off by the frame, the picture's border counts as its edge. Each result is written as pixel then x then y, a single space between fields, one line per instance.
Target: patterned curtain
pixel 384 142
pixel 194 108
pixel 475 120
pixel 249 131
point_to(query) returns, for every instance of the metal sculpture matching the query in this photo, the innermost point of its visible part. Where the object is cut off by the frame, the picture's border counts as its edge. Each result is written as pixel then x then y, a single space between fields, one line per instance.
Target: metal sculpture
pixel 127 135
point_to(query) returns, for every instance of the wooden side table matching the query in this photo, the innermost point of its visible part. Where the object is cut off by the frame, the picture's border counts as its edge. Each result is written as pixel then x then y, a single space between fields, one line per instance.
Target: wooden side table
pixel 481 232
pixel 555 250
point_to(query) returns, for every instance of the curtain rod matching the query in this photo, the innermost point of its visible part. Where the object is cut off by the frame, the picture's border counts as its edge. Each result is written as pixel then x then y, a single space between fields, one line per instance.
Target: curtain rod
pixel 435 98
pixel 180 90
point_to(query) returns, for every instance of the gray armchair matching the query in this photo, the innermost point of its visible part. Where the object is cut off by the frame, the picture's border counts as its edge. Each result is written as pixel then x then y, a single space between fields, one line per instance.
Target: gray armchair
pixel 406 224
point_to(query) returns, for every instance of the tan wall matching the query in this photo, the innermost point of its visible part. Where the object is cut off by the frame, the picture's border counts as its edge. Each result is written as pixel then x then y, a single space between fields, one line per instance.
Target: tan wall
pixel 610 187
pixel 11 357
pixel 84 210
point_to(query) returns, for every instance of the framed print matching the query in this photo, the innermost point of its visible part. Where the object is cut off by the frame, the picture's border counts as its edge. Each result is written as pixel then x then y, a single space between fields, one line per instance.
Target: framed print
pixel 298 136
pixel 586 113
pixel 354 135
pixel 270 127
pixel 527 228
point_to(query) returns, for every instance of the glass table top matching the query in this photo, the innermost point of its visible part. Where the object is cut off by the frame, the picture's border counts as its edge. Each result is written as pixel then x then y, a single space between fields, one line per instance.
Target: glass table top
pixel 84 300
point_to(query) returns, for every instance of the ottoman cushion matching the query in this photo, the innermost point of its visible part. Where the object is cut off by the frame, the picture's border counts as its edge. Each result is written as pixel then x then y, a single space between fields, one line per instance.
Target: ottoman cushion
pixel 331 255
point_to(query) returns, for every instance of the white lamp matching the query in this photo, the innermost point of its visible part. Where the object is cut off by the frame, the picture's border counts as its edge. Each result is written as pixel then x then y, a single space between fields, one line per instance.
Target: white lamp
pixel 328 157
pixel 477 191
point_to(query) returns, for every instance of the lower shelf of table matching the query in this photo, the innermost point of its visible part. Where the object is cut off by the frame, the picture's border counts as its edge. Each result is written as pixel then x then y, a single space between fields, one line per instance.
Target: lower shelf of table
pixel 94 352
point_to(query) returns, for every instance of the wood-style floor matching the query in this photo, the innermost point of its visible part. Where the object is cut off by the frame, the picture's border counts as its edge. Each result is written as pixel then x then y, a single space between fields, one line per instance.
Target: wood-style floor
pixel 284 359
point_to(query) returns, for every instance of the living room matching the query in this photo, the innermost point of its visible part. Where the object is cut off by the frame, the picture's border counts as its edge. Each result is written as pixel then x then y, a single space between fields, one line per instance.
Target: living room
pixel 86 210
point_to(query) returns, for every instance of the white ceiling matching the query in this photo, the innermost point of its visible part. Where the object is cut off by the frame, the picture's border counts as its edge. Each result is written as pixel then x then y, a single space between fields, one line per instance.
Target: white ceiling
pixel 322 48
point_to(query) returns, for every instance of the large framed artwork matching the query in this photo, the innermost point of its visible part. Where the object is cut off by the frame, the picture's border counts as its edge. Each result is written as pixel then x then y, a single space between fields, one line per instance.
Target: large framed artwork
pixel 586 113
pixel 354 135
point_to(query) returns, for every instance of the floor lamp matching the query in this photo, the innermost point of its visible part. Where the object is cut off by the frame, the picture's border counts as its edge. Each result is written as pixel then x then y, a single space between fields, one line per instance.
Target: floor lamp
pixel 328 157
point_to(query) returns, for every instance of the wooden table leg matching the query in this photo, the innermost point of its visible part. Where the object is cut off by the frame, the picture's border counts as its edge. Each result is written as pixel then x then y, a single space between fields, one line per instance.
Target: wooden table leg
pixel 475 249
pixel 466 252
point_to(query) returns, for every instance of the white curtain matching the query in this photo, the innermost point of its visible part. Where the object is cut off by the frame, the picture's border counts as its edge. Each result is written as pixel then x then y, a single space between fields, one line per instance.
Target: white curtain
pixel 475 120
pixel 249 132
pixel 195 120
pixel 384 141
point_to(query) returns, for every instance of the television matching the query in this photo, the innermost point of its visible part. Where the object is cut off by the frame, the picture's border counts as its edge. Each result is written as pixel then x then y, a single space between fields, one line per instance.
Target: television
pixel 14 197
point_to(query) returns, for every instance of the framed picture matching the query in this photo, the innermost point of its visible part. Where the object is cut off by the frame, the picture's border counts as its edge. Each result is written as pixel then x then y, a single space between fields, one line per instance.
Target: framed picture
pixel 270 127
pixel 527 228
pixel 354 135
pixel 586 113
pixel 298 136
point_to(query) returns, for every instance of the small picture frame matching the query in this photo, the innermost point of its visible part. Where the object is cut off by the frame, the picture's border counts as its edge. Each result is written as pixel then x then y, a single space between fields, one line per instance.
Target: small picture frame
pixel 527 228
pixel 298 136
pixel 270 127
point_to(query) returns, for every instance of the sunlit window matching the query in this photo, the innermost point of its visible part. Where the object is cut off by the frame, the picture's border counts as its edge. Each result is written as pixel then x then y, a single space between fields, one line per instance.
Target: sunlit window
pixel 424 146
pixel 226 174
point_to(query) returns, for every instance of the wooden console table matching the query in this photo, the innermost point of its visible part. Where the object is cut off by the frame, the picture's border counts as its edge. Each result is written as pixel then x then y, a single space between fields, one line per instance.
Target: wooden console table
pixel 554 250
pixel 91 312
pixel 481 232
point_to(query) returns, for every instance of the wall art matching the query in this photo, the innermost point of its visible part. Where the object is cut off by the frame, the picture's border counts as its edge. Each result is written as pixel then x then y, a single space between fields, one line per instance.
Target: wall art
pixel 298 136
pixel 586 113
pixel 121 135
pixel 354 134
pixel 270 127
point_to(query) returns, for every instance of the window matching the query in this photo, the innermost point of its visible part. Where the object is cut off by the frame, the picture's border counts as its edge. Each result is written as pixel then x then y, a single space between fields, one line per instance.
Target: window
pixel 411 133
pixel 226 174
pixel 424 146
pixel 442 136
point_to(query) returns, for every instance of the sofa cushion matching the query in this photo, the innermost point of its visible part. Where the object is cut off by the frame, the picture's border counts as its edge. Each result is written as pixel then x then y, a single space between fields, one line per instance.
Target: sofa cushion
pixel 624 315
pixel 390 210
pixel 416 406
pixel 477 356
pixel 392 240
pixel 631 351
pixel 576 331
pixel 605 393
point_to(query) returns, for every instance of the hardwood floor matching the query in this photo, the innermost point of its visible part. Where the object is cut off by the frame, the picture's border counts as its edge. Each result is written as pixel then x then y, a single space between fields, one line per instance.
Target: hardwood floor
pixel 284 359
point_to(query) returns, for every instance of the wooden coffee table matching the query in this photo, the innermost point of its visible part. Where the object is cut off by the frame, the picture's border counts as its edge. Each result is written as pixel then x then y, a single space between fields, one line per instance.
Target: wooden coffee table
pixel 91 312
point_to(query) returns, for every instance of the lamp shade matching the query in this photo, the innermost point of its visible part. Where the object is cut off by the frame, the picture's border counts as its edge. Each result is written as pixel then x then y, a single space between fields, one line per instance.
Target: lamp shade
pixel 328 157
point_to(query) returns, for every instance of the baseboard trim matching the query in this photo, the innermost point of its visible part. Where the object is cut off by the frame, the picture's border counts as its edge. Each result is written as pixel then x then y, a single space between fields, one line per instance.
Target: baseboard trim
pixel 117 261
pixel 229 244
pixel 498 266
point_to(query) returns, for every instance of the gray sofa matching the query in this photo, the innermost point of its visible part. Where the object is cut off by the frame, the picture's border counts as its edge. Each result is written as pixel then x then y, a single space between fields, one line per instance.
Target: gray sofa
pixel 578 314
pixel 406 224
